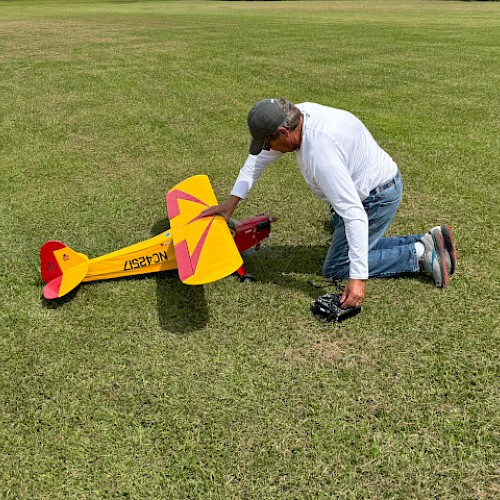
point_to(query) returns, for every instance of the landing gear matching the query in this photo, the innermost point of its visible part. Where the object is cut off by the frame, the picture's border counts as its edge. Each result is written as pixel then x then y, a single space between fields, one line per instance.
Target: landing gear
pixel 245 277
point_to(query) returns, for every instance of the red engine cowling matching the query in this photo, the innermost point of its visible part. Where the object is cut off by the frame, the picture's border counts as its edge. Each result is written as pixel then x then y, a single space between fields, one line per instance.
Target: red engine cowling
pixel 250 232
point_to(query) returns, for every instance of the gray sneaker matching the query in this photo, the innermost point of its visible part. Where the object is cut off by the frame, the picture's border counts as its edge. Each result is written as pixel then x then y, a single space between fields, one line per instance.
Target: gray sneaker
pixel 449 246
pixel 434 260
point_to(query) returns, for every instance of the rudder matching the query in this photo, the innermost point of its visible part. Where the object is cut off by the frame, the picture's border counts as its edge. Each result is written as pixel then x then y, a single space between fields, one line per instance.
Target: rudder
pixel 56 258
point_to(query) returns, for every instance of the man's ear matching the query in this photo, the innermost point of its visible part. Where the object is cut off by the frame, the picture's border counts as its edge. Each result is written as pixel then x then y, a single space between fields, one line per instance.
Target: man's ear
pixel 282 131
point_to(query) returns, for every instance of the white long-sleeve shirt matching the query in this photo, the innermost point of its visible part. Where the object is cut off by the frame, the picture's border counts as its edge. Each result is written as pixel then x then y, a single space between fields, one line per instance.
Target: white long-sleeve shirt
pixel 341 162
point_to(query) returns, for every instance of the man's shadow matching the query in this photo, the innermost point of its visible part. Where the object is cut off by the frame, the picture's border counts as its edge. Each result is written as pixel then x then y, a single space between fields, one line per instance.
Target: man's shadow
pixel 287 266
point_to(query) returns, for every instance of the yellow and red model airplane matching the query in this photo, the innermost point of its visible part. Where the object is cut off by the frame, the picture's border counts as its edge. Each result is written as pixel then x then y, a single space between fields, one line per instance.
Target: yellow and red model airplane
pixel 203 249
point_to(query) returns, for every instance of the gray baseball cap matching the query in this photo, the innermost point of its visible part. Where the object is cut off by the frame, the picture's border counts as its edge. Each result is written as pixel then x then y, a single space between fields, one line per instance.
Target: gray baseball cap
pixel 263 120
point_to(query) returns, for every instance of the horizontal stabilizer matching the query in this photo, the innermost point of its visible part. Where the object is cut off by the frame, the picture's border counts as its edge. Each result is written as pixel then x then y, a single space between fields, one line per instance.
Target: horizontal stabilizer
pixel 66 282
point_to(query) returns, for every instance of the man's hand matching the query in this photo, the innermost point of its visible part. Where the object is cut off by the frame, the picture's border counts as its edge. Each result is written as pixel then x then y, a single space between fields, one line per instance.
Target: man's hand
pixel 226 208
pixel 353 294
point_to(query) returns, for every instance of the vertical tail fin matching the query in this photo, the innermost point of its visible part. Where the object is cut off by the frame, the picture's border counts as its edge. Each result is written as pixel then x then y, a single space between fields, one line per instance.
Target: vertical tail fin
pixel 62 268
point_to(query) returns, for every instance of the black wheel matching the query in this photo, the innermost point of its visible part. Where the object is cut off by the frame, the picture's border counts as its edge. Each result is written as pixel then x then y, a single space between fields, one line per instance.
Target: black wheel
pixel 247 278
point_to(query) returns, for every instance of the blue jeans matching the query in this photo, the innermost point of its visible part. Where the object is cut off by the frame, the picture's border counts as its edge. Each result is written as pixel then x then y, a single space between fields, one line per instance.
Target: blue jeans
pixel 387 257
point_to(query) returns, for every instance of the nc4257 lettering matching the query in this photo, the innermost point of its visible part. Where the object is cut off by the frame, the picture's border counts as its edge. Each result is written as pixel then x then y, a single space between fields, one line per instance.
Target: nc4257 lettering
pixel 145 260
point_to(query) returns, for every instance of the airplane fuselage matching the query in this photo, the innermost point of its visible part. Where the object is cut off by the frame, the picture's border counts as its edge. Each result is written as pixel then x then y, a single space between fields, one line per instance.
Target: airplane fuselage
pixel 150 256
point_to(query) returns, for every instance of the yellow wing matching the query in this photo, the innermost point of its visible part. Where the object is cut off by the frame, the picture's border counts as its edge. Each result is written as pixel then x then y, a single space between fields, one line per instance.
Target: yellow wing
pixel 204 248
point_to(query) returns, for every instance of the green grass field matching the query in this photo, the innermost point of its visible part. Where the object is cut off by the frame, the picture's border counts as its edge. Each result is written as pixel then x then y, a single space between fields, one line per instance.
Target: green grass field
pixel 145 388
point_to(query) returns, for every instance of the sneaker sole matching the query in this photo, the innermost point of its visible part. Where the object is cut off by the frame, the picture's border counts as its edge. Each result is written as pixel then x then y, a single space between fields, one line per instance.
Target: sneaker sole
pixel 449 244
pixel 438 240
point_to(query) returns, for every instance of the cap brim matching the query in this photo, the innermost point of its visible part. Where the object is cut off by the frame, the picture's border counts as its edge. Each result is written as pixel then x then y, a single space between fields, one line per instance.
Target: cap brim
pixel 256 146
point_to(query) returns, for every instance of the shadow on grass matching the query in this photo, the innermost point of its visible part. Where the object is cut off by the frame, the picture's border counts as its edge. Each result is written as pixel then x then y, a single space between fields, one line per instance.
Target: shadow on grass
pixel 182 309
pixel 294 267
pixel 287 266
pixel 57 303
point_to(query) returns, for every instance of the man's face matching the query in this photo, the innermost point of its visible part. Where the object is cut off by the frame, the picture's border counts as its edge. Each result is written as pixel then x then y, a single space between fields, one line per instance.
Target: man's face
pixel 282 143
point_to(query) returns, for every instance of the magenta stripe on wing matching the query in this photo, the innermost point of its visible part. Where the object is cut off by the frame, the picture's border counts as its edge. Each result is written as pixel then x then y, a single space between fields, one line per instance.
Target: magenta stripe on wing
pixel 187 263
pixel 173 198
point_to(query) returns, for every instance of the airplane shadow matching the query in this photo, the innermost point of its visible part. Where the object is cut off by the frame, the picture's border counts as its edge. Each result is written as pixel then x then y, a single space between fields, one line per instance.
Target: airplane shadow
pixel 181 309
